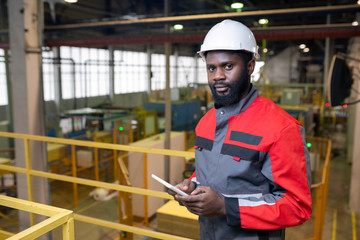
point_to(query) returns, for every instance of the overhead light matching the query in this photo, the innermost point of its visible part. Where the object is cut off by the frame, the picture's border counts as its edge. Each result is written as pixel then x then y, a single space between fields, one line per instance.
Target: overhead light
pixel 265 50
pixel 355 23
pixel 306 49
pixel 358 2
pixel 71 1
pixel 302 46
pixel 263 21
pixel 178 27
pixel 238 5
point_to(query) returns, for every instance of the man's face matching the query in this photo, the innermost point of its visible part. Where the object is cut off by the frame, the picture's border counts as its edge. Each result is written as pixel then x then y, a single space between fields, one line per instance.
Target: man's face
pixel 227 76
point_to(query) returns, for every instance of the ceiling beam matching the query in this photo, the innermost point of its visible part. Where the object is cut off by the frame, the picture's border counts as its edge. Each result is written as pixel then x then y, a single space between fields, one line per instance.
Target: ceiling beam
pixel 269 33
pixel 179 19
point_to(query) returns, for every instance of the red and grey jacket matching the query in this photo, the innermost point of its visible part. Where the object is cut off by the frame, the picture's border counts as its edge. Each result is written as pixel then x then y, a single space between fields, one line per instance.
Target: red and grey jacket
pixel 254 154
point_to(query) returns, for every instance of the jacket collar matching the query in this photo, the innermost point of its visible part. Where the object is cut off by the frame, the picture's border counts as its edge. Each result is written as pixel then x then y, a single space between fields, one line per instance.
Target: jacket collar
pixel 240 106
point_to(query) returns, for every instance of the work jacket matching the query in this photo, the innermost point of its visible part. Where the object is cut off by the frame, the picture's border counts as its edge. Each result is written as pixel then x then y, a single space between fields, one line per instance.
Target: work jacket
pixel 254 154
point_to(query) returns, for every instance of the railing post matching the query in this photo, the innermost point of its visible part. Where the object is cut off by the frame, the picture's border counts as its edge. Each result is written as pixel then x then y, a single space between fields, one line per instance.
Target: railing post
pixel 318 212
pixel 68 229
pixel 326 182
pixel 29 177
pixel 185 148
pixel 74 174
pixel 324 149
pixel 115 154
pixel 96 159
pixel 146 205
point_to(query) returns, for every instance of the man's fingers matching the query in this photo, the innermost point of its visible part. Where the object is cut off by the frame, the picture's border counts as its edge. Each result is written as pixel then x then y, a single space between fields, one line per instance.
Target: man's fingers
pixel 185 185
pixel 195 210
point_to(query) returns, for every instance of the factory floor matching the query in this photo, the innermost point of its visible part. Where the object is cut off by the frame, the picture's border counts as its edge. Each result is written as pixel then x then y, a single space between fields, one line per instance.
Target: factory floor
pixel 340 222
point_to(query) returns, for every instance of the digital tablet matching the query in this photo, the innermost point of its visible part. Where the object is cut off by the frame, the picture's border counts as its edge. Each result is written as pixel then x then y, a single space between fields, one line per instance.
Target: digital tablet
pixel 168 185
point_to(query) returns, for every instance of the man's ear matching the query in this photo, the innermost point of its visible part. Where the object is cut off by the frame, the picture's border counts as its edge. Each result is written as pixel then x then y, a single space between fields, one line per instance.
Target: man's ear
pixel 251 66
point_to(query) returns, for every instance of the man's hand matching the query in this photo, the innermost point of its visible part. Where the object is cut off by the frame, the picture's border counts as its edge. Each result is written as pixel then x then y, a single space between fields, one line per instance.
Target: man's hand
pixel 186 186
pixel 203 201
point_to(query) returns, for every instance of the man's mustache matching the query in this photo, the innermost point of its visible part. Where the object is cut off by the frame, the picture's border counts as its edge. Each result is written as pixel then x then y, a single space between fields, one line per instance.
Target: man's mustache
pixel 221 84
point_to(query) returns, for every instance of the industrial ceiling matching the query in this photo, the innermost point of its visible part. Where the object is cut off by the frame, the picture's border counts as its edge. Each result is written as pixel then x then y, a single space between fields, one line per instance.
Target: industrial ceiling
pixel 132 24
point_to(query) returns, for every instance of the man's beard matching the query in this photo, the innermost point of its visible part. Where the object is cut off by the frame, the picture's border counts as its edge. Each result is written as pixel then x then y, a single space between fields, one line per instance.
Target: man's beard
pixel 236 91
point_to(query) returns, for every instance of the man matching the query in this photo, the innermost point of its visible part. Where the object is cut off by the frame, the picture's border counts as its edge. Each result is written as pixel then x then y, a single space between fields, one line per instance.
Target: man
pixel 252 175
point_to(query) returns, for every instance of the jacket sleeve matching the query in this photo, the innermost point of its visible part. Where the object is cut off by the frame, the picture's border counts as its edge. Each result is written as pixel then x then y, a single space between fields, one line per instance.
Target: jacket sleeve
pixel 193 178
pixel 288 203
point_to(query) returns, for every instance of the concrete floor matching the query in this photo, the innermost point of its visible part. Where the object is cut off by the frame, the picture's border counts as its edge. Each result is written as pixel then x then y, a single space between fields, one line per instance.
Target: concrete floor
pixel 340 222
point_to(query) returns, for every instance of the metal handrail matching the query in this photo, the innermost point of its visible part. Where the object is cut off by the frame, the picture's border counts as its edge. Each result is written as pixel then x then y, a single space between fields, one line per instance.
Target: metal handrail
pixel 88 182
pixel 30 172
pixel 321 189
pixel 111 146
pixel 58 217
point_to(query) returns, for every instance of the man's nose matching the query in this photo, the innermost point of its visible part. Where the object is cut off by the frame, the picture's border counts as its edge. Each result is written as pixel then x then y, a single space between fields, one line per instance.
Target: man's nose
pixel 219 74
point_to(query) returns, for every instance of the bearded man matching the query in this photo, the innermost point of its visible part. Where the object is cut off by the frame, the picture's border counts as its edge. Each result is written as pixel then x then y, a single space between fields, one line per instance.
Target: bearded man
pixel 252 177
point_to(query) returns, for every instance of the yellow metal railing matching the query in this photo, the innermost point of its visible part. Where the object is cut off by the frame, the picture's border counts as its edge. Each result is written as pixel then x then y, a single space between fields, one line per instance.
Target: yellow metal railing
pixel 323 146
pixel 57 217
pixel 75 180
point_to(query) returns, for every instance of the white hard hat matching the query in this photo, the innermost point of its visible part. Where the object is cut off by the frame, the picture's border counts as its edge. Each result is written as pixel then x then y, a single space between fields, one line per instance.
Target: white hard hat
pixel 230 35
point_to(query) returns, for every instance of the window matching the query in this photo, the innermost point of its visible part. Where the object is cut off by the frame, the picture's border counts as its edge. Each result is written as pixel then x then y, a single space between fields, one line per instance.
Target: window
pixel 86 72
pixel 71 73
pixel 3 85
pixel 48 75
pixel 158 79
pixel 201 71
pixel 130 72
pixel 97 72
pixel 189 70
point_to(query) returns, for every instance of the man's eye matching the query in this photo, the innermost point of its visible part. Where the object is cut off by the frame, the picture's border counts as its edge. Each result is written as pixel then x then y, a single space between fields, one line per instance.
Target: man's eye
pixel 228 66
pixel 211 68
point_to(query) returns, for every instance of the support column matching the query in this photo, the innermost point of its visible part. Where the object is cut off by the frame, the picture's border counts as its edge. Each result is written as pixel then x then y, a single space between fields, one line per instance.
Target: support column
pixel 167 99
pixel 25 30
pixel 176 67
pixel 353 128
pixel 329 52
pixel 196 68
pixel 149 74
pixel 58 83
pixel 111 74
pixel 167 112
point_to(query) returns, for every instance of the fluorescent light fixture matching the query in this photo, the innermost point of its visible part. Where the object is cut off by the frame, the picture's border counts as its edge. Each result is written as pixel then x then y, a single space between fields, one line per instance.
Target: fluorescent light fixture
pixel 178 27
pixel 71 1
pixel 263 21
pixel 302 46
pixel 238 5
